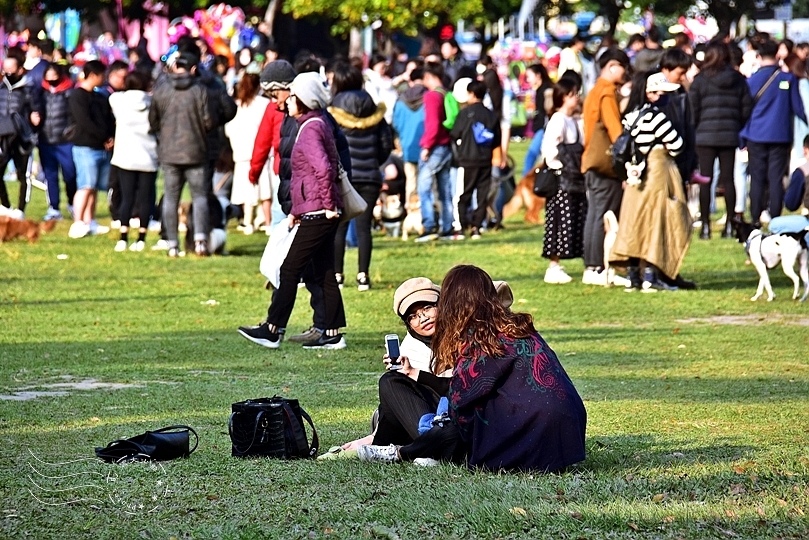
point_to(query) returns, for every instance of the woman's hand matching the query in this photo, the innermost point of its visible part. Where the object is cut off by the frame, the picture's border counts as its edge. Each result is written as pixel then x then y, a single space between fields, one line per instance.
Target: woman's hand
pixel 331 214
pixel 292 221
pixel 403 366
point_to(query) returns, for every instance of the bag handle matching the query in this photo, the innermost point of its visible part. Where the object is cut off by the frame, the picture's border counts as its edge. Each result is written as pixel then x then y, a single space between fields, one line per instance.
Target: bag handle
pixel 180 426
pixel 299 432
pixel 252 439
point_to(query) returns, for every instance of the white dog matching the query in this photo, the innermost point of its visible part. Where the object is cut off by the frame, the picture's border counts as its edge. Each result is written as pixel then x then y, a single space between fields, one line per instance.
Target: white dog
pixel 766 251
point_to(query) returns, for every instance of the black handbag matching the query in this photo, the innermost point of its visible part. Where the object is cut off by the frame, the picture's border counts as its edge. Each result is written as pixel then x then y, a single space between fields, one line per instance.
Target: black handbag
pixel 546 181
pixel 163 444
pixel 623 149
pixel 271 427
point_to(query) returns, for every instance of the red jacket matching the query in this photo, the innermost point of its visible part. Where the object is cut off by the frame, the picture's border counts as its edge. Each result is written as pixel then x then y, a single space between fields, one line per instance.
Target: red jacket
pixel 434 133
pixel 268 138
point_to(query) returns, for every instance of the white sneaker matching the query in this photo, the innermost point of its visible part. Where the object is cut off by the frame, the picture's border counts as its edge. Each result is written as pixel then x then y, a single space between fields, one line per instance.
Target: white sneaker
pixel 120 246
pixel 95 228
pixel 248 230
pixel 134 223
pixel 17 214
pixel 137 246
pixel 161 245
pixel 154 226
pixel 379 454
pixel 594 277
pixel 556 275
pixel 765 217
pixel 115 224
pixel 79 229
pixel 426 462
pixel 618 281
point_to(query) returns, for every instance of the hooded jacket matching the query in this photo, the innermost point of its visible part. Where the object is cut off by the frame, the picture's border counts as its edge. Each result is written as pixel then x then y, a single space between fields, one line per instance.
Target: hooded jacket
pixel 369 136
pixel 221 108
pixel 314 167
pixel 181 118
pixel 135 144
pixel 720 106
pixel 408 121
pixel 55 111
pixel 15 97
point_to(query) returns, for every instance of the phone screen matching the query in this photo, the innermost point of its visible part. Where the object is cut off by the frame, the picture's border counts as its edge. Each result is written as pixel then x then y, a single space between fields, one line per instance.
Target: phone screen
pixel 392 346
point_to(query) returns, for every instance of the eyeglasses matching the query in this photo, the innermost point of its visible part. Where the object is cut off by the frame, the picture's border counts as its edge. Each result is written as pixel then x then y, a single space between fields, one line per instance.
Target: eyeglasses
pixel 427 312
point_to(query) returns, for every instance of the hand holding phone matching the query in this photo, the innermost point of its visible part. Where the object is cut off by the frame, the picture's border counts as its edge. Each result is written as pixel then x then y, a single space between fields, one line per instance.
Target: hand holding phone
pixel 392 346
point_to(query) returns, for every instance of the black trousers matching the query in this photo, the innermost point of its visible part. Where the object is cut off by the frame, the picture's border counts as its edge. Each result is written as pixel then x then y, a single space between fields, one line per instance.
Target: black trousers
pixel 474 179
pixel 315 298
pixel 441 443
pixel 603 194
pixel 137 192
pixel 313 244
pixel 362 223
pixel 21 163
pixel 402 403
pixel 727 159
pixel 767 165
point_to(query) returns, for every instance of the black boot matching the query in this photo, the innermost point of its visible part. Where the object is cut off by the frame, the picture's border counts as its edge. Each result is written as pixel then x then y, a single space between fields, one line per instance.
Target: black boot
pixel 706 230
pixel 633 275
pixel 727 232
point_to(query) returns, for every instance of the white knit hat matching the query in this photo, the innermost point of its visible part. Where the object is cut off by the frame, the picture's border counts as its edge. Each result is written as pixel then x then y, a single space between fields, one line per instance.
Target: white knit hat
pixel 312 89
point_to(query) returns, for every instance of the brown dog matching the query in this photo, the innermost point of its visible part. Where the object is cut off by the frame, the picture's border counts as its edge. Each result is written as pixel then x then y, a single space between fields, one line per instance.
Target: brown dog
pixel 11 229
pixel 524 198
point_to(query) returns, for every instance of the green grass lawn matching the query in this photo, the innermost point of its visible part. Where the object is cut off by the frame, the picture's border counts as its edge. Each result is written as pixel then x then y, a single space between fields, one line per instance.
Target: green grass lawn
pixel 697 401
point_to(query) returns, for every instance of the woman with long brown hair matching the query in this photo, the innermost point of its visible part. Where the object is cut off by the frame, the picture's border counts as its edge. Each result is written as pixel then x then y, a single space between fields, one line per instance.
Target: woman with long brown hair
pixel 511 404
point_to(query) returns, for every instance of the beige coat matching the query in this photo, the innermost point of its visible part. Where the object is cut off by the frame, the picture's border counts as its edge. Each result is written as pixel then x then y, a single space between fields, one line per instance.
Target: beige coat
pixel 655 224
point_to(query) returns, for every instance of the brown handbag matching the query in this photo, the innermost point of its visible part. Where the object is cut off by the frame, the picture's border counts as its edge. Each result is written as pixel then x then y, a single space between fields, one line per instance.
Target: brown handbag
pixel 597 155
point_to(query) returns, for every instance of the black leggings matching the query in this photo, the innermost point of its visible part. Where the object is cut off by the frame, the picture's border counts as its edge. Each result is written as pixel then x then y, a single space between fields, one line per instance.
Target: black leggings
pixel 137 191
pixel 727 159
pixel 362 223
pixel 21 163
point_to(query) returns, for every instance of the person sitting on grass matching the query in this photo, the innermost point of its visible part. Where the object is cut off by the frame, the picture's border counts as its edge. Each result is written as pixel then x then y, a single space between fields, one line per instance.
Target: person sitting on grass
pixel 512 406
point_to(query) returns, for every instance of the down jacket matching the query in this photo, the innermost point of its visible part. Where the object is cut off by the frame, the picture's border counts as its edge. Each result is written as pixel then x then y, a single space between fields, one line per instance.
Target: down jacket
pixel 370 140
pixel 55 111
pixel 720 106
pixel 181 118
pixel 314 167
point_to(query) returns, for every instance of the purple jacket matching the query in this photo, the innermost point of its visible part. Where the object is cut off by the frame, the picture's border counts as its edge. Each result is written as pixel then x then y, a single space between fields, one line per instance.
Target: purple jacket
pixel 314 167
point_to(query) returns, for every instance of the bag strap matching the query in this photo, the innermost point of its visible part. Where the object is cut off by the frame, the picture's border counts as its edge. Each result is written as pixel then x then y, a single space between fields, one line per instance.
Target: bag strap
pixel 181 426
pixel 306 123
pixel 252 439
pixel 767 84
pixel 298 431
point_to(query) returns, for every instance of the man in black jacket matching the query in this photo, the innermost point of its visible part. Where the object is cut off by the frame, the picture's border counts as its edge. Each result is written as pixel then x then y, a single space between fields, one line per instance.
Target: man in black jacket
pixel 18 112
pixel 92 141
pixel 477 134
pixel 180 116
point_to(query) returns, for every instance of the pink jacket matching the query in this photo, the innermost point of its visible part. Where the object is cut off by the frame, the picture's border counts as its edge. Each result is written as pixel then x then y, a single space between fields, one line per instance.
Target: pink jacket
pixel 314 167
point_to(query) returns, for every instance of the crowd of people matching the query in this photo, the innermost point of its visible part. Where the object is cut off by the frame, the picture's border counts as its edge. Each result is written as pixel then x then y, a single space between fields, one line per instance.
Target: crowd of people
pixel 429 134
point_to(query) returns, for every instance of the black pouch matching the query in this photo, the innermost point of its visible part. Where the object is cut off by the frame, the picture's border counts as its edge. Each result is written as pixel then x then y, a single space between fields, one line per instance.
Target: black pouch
pixel 160 445
pixel 271 427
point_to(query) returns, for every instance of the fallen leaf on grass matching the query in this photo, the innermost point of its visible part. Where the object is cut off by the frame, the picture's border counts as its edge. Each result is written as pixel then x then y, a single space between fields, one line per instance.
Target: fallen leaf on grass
pixel 384 532
pixel 633 526
pixel 519 512
pixel 781 502
pixel 760 511
pixel 737 489
pixel 798 511
pixel 576 515
pixel 668 519
pixel 730 513
pixel 660 497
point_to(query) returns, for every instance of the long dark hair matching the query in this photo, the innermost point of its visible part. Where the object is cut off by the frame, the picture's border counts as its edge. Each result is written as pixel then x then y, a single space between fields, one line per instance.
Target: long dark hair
pixel 562 89
pixel 637 97
pixel 346 77
pixel 495 90
pixel 472 318
pixel 717 58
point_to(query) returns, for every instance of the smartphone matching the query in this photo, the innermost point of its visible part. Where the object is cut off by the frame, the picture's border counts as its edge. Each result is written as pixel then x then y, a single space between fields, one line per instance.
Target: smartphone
pixel 392 346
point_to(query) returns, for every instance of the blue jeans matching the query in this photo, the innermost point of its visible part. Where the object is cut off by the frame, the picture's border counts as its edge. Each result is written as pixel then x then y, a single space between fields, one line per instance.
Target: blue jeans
pixel 436 169
pixel 534 149
pixel 92 168
pixel 52 157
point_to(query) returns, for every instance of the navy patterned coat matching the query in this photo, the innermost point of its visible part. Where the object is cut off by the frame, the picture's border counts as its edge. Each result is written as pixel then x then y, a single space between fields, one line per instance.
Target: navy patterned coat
pixel 519 411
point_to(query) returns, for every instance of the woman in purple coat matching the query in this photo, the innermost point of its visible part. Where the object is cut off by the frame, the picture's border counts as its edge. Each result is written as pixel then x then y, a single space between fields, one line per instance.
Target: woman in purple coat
pixel 511 404
pixel 316 209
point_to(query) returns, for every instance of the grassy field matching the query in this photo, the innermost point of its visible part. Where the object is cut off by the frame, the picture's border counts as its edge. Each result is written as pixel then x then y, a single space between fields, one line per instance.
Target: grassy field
pixel 697 401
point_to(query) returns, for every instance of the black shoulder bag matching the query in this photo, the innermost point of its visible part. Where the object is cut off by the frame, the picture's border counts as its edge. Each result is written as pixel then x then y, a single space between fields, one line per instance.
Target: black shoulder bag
pixel 572 179
pixel 623 149
pixel 271 427
pixel 163 444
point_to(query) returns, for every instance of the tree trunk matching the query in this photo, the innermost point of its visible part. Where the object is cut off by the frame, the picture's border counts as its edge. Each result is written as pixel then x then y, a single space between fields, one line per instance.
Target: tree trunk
pixel 269 15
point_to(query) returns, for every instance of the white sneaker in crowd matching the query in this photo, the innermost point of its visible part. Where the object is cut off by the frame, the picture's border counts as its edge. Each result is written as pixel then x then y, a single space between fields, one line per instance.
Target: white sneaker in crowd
pixel 137 246
pixel 426 462
pixel 17 214
pixel 120 246
pixel 115 224
pixel 379 454
pixel 95 228
pixel 592 276
pixel 765 217
pixel 618 281
pixel 154 226
pixel 556 275
pixel 161 245
pixel 79 229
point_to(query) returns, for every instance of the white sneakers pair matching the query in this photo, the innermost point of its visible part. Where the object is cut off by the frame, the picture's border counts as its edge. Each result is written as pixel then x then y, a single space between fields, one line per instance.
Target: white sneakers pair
pixel 80 229
pixel 556 275
pixel 136 246
pixel 603 278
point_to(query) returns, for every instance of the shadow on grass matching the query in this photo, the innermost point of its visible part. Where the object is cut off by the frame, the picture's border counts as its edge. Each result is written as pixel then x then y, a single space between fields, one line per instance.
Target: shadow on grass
pixel 105 299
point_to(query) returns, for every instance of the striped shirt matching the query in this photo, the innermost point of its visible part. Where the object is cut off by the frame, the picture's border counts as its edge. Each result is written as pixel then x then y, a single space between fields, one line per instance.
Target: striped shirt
pixel 653 130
